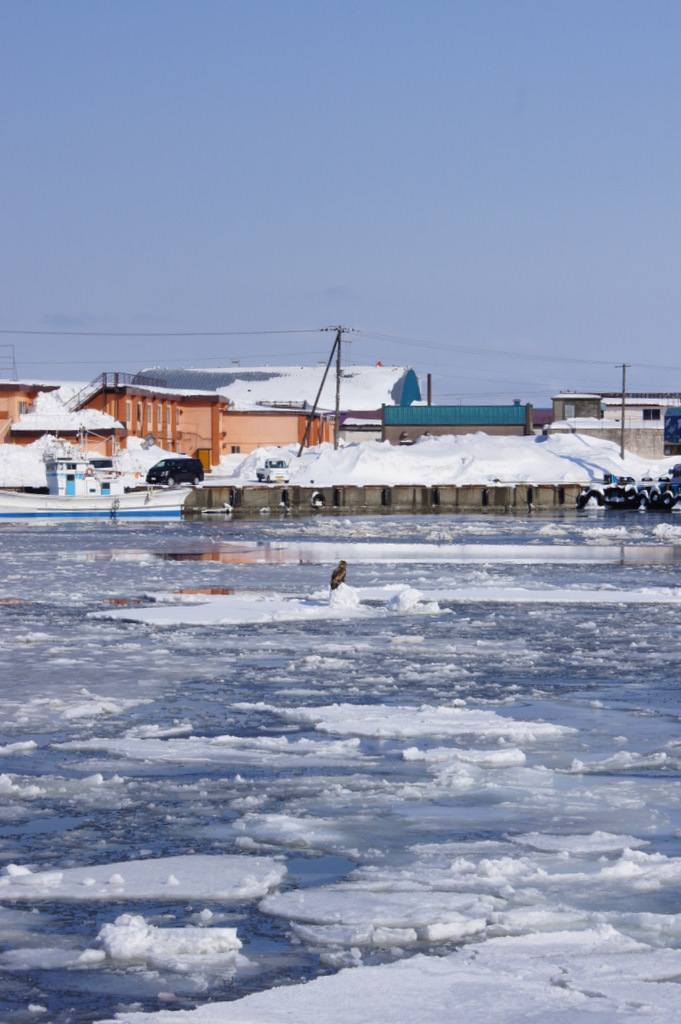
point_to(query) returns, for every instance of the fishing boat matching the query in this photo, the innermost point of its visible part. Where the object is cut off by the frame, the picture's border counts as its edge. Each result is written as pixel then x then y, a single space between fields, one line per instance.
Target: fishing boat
pixel 84 486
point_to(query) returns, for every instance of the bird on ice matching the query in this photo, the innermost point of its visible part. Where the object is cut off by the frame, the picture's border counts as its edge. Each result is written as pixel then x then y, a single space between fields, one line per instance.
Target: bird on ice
pixel 338 575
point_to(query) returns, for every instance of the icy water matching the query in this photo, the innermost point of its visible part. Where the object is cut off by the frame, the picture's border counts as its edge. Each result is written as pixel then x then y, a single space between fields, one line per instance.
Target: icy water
pixel 478 737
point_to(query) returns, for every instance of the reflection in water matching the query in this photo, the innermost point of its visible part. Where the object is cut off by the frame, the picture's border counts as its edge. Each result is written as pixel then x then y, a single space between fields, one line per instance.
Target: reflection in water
pixel 212 590
pixel 307 553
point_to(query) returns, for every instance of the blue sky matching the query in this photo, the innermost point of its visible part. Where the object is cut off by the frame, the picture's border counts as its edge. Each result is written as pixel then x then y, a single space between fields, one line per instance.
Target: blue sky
pixel 486 190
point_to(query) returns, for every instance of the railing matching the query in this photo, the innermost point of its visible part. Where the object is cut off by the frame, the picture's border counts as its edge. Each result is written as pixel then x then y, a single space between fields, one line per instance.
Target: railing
pixel 111 380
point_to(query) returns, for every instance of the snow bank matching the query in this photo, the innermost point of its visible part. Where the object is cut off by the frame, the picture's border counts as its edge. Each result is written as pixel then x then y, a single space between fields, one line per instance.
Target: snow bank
pixel 459 460
pixel 455 459
pixel 23 466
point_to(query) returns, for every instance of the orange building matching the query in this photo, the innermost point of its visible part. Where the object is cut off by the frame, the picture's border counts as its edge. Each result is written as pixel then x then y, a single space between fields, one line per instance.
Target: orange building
pixel 247 430
pixel 202 424
pixel 186 422
pixel 15 400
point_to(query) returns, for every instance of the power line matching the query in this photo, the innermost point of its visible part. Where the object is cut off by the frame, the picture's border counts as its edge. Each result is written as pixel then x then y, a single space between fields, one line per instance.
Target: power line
pixel 502 354
pixel 159 334
pixel 150 359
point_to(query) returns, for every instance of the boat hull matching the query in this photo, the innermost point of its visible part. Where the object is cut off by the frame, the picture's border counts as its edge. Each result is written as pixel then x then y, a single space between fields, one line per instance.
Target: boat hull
pixel 159 504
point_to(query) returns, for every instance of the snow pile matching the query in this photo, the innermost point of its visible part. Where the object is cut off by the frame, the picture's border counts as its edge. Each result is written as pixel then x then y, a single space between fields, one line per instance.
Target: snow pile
pixel 344 597
pixel 456 459
pixel 23 466
pixel 137 458
pixel 130 937
pixel 49 413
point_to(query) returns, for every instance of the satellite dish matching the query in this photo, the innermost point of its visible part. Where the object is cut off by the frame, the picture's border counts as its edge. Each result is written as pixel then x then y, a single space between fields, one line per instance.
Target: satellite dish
pixel 150 440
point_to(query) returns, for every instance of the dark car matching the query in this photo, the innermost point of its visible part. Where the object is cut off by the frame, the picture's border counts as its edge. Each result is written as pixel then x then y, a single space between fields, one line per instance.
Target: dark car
pixel 176 471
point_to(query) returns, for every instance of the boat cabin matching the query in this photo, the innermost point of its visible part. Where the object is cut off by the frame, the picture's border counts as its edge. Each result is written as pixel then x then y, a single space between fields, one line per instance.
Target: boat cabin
pixel 74 474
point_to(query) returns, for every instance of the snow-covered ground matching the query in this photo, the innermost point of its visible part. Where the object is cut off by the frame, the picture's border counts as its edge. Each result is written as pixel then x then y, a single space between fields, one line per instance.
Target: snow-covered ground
pixel 24 466
pixel 450 791
pixel 466 459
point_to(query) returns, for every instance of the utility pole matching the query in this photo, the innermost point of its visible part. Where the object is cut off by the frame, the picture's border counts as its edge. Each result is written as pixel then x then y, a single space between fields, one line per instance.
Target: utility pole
pixel 624 406
pixel 336 419
pixel 335 350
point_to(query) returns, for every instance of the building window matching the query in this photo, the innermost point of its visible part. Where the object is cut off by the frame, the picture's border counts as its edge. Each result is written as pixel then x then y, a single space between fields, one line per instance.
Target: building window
pixel 128 414
pixel 159 417
pixel 139 416
pixel 569 410
pixel 169 420
pixel 236 449
pixel 22 407
pixel 177 418
pixel 150 415
pixel 651 414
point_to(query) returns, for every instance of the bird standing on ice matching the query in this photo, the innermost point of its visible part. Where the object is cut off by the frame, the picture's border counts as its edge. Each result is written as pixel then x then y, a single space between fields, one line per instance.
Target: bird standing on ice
pixel 338 575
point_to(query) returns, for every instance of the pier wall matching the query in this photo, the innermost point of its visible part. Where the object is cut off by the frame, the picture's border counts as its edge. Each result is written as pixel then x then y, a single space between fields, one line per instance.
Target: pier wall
pixel 348 499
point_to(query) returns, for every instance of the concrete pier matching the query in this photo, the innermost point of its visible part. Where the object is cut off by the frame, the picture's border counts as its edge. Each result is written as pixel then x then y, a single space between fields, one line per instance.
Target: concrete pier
pixel 354 500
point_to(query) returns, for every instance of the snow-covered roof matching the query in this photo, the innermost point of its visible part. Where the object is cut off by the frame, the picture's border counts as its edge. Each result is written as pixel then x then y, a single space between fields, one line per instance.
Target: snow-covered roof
pixel 49 414
pixel 663 401
pixel 574 394
pixel 27 384
pixel 174 392
pixel 280 387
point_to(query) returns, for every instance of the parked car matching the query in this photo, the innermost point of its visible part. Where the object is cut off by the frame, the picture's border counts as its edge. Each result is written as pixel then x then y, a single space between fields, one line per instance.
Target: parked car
pixel 274 471
pixel 176 471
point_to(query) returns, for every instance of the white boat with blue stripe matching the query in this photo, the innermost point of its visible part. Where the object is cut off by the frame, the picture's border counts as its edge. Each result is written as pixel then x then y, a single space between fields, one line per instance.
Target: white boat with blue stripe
pixel 83 486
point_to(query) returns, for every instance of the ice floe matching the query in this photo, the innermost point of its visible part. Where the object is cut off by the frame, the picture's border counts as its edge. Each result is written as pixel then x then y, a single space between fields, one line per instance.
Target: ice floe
pixel 595 974
pixel 198 876
pixel 383 722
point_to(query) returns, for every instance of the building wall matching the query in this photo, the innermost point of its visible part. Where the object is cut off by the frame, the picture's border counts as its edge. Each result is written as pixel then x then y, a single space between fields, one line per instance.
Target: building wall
pixel 583 406
pixel 15 399
pixel 407 434
pixel 186 425
pixel 246 431
pixel 648 442
pixel 195 431
pixel 406 425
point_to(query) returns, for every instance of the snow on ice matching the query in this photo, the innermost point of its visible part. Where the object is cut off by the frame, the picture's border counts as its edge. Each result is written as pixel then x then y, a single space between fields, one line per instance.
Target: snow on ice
pixel 217 878
pixel 596 974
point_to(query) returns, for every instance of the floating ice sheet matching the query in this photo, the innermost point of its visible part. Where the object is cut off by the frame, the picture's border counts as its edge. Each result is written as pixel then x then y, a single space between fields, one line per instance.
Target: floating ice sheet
pixel 367 603
pixel 199 876
pixel 596 974
pixel 380 721
pixel 223 749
